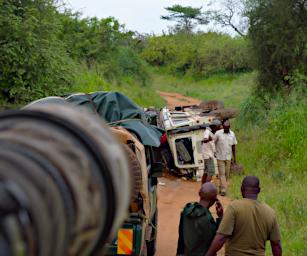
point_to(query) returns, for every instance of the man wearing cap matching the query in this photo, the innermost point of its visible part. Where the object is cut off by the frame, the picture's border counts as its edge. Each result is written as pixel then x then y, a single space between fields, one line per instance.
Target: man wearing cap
pixel 208 150
pixel 225 144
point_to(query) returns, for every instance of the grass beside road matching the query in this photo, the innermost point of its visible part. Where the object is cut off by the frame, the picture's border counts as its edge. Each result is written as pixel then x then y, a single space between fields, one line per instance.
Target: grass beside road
pixel 274 149
pixel 232 89
pixel 89 81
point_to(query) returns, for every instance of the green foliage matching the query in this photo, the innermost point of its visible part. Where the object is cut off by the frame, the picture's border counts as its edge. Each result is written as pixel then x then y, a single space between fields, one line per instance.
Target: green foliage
pixel 187 17
pixel 199 55
pixel 220 53
pixel 230 88
pixel 159 51
pixel 89 80
pixel 103 45
pixel 255 110
pixel 43 50
pixel 278 32
pixel 272 145
pixel 219 86
pixel 91 39
pixel 130 64
pixel 33 62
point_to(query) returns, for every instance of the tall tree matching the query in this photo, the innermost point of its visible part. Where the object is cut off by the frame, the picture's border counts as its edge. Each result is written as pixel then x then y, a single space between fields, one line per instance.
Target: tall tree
pixel 278 33
pixel 186 17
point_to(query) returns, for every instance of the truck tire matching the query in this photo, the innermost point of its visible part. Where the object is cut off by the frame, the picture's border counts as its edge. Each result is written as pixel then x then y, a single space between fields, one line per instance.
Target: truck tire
pixel 226 113
pixel 69 174
pixel 136 173
pixel 210 105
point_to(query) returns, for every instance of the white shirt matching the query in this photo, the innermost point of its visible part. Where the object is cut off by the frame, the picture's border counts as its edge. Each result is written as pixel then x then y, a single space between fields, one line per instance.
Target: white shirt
pixel 223 143
pixel 208 149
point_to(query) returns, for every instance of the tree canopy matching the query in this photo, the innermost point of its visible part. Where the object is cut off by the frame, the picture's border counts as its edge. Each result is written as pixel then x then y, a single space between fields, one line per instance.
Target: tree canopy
pixel 278 34
pixel 187 17
pixel 44 48
pixel 33 61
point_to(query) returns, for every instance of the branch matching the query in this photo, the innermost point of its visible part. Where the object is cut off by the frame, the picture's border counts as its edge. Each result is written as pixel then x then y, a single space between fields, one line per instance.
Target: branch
pixel 225 19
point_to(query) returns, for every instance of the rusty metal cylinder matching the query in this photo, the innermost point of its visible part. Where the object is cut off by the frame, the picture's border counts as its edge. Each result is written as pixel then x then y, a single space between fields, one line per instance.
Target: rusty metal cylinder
pixel 64 182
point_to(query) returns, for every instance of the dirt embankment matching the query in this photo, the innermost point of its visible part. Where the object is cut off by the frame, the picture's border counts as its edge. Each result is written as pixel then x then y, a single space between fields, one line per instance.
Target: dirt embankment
pixel 174 193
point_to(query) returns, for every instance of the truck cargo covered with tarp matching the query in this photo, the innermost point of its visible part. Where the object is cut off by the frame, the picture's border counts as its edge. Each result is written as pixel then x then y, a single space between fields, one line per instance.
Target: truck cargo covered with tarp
pixel 141 142
pixel 115 109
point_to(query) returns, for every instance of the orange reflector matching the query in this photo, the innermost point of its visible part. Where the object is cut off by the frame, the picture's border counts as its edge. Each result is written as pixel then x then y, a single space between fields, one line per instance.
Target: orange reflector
pixel 125 242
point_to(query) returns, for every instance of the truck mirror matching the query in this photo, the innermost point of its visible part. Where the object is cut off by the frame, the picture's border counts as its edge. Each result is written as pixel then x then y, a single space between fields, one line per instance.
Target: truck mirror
pixel 157 169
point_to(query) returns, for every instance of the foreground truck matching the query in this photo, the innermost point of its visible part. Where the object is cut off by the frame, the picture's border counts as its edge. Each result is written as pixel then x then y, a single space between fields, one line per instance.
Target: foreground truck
pixel 141 141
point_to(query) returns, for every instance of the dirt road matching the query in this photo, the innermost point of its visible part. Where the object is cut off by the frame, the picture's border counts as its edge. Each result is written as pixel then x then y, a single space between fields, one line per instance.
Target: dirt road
pixel 173 194
pixel 176 99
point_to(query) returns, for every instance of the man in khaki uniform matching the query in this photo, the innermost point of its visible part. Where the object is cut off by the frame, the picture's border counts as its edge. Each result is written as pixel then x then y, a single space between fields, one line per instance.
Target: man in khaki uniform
pixel 247 225
pixel 225 145
pixel 208 150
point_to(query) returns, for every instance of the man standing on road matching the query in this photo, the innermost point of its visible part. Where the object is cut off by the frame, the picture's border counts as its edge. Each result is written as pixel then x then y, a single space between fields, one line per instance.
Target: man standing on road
pixel 225 144
pixel 247 224
pixel 208 150
pixel 197 227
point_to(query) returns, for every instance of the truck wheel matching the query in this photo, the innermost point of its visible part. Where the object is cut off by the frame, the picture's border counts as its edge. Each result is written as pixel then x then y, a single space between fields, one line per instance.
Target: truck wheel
pixel 226 113
pixel 136 173
pixel 210 105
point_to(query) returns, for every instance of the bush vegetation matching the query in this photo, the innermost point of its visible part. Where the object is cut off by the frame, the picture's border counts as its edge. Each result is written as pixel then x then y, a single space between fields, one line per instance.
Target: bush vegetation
pixel 230 88
pixel 272 145
pixel 43 50
pixel 198 55
pixel 88 80
pixel 278 36
pixel 33 61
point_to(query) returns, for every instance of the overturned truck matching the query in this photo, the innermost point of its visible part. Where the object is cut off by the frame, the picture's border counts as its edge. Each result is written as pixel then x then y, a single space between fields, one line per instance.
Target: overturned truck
pixel 184 127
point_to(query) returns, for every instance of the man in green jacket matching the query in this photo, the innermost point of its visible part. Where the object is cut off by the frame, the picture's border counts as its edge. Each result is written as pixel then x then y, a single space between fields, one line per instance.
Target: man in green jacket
pixel 197 227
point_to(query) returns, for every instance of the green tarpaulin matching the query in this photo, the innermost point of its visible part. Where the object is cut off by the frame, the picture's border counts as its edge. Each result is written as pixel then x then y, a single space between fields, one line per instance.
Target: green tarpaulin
pixel 115 109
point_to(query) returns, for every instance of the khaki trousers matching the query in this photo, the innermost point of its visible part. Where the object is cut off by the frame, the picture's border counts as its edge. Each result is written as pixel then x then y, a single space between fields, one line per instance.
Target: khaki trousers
pixel 224 172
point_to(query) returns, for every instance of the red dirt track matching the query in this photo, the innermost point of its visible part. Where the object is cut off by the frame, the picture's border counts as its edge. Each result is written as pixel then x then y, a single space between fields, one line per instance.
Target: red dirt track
pixel 175 99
